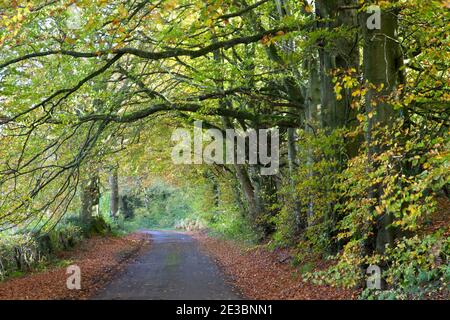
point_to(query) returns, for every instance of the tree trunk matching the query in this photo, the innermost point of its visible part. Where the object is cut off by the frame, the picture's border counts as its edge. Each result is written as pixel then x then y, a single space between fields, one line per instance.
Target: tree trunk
pixel 294 92
pixel 126 206
pixel 90 197
pixel 339 53
pixel 114 186
pixel 382 62
pixel 247 188
pixel 312 117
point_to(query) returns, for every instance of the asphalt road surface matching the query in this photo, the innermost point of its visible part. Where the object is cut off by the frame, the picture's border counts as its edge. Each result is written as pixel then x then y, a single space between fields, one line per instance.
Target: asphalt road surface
pixel 174 268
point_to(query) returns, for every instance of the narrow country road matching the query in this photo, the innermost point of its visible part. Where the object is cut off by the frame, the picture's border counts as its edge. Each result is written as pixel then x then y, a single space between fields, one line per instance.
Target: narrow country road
pixel 174 268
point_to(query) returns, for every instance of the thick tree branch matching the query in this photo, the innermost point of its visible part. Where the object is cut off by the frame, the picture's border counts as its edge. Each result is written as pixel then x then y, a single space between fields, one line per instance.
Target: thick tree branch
pixel 271 120
pixel 171 53
pixel 65 92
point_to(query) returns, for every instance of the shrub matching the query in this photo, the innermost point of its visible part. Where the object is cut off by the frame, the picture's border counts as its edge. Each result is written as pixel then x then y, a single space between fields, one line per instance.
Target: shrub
pixel 18 252
pixel 99 226
pixel 418 266
pixel 231 224
pixel 23 251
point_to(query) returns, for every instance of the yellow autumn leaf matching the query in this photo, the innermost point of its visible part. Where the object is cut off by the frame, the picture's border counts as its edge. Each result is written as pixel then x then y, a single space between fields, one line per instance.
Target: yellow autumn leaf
pixel 170 5
pixel 123 12
pixel 356 93
pixel 309 8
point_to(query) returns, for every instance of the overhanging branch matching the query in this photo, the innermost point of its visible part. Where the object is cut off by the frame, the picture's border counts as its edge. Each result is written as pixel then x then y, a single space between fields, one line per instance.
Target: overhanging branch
pixel 171 53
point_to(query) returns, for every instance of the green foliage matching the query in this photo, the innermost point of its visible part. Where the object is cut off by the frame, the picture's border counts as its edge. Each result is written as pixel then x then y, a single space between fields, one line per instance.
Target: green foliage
pixel 227 219
pixel 232 225
pixel 99 226
pixel 22 252
pixel 411 169
pixel 188 208
pixel 419 266
pixel 418 269
pixel 17 253
pixel 159 206
pixel 345 271
pixel 315 190
pixel 285 225
pixel 164 206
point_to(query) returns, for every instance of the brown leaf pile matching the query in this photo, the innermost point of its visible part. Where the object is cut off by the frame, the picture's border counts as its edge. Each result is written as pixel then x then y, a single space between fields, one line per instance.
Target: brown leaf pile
pixel 99 259
pixel 262 275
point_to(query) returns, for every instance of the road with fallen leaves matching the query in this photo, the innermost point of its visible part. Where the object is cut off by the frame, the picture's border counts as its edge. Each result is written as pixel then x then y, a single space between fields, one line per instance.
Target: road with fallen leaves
pixel 174 268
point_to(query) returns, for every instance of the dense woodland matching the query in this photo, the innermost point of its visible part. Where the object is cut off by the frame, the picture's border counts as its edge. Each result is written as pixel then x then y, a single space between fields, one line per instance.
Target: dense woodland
pixel 91 92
